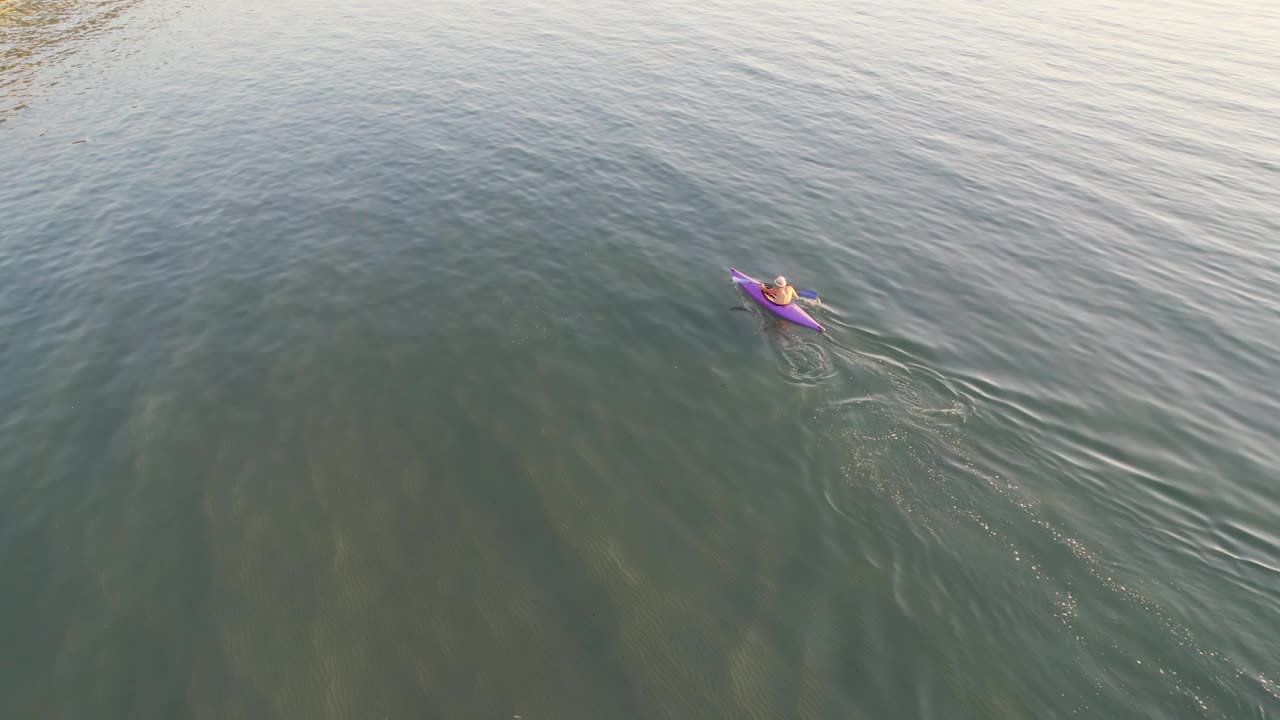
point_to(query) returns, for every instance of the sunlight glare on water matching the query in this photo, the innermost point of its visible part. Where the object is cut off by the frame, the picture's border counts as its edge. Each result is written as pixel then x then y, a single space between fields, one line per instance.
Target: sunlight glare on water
pixel 381 361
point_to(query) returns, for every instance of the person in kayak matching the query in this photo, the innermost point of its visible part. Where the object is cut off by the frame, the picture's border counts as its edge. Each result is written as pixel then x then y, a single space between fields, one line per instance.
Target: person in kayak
pixel 779 293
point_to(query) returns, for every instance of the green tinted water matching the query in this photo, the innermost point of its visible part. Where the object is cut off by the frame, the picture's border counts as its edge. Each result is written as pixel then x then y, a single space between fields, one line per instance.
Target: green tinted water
pixel 380 361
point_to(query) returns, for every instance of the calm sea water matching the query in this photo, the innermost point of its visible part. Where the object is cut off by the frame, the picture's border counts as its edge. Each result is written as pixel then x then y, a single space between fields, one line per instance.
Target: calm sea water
pixel 378 360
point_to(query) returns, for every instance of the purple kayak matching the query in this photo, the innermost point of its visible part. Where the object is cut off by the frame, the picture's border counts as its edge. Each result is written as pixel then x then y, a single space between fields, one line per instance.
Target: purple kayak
pixel 793 312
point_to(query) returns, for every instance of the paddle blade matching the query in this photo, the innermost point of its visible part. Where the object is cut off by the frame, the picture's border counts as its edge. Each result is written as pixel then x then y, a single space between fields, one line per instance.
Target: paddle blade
pixel 808 294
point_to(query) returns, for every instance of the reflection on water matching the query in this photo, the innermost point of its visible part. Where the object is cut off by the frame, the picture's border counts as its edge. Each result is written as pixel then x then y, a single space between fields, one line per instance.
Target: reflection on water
pixel 333 382
pixel 36 33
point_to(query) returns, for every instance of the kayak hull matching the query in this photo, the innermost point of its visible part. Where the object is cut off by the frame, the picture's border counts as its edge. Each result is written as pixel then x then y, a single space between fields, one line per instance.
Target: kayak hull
pixel 791 313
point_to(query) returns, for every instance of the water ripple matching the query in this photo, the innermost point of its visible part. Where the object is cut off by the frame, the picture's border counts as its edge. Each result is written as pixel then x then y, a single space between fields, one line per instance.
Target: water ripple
pixel 375 361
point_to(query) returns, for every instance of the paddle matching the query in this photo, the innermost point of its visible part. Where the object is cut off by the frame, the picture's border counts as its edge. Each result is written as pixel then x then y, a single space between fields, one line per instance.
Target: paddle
pixel 806 294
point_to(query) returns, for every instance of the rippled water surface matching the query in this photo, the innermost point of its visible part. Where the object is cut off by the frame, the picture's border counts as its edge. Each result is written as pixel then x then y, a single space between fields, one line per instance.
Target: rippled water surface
pixel 379 360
